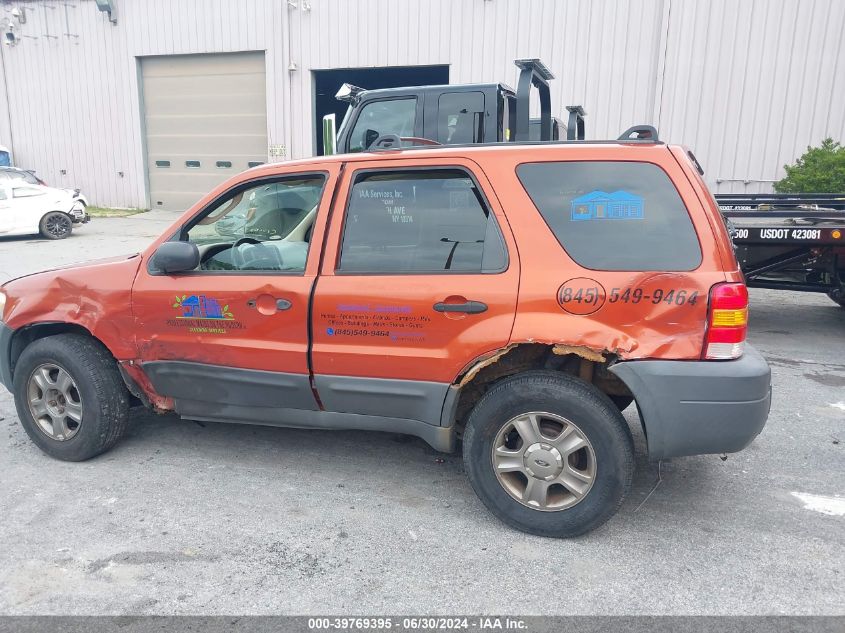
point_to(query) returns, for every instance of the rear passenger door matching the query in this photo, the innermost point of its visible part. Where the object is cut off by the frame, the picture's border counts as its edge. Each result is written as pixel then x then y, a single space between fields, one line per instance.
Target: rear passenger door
pixel 420 277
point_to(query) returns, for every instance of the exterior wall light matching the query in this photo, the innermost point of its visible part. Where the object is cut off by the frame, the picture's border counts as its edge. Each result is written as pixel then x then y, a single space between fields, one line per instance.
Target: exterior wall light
pixel 108 7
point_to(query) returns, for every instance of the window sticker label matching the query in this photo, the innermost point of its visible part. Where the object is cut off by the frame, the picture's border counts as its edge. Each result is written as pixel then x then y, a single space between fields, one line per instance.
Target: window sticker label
pixel 599 205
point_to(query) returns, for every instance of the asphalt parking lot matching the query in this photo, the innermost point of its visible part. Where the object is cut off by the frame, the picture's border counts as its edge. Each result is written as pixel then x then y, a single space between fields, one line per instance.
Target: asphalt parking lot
pixel 189 518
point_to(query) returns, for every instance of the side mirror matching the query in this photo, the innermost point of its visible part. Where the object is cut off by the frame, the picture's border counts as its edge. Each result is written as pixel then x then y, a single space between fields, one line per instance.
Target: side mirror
pixel 370 137
pixel 176 257
pixel 329 134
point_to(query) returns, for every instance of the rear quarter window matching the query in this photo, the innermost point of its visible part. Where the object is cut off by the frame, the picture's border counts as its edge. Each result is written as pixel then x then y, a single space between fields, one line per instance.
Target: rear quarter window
pixel 614 215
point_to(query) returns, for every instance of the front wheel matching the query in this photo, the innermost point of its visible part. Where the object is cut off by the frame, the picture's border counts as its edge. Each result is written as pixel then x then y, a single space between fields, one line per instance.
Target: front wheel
pixel 838 295
pixel 56 225
pixel 70 397
pixel 549 454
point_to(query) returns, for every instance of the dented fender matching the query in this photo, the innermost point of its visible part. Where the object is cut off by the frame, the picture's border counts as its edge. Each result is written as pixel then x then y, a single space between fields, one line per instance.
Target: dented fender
pixel 95 296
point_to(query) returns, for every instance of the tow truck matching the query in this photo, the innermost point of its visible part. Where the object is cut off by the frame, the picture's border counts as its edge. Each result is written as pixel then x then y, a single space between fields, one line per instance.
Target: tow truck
pixel 789 242
pixel 783 242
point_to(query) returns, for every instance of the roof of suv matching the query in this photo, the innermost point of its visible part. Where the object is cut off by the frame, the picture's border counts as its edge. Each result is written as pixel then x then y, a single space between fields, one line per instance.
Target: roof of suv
pixel 630 149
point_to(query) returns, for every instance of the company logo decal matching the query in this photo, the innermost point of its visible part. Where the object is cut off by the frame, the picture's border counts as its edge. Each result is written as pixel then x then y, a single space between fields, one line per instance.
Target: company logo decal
pixel 202 314
pixel 598 205
pixel 202 307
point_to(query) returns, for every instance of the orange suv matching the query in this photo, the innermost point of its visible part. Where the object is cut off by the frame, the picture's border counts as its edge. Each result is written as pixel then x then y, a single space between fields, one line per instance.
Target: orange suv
pixel 515 297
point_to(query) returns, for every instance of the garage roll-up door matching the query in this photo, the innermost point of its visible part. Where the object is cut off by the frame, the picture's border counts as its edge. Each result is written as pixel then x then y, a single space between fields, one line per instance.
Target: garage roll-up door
pixel 206 119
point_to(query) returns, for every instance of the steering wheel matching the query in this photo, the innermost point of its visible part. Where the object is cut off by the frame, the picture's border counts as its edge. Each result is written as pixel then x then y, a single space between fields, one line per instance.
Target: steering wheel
pixel 268 259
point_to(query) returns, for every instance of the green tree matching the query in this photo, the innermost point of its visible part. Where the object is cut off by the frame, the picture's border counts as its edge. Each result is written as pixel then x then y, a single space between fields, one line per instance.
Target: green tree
pixel 819 170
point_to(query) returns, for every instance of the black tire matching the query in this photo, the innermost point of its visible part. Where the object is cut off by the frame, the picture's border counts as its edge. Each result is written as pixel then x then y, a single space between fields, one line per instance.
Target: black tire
pixel 103 395
pixel 56 225
pixel 621 402
pixel 597 418
pixel 837 296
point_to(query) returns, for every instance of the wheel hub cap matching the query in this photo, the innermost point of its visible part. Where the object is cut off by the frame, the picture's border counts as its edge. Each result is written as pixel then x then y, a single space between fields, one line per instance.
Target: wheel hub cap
pixel 543 461
pixel 54 402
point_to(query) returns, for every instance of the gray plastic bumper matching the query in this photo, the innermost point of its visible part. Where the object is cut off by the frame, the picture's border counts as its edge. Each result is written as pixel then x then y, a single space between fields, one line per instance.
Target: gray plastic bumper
pixel 6 356
pixel 699 407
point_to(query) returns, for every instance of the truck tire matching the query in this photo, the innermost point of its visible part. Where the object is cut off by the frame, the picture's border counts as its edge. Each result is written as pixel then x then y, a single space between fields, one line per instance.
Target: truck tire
pixel 838 296
pixel 621 402
pixel 548 454
pixel 55 225
pixel 70 397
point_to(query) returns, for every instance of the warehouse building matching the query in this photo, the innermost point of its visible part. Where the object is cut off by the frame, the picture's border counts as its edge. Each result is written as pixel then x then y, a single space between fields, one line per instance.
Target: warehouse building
pixel 150 103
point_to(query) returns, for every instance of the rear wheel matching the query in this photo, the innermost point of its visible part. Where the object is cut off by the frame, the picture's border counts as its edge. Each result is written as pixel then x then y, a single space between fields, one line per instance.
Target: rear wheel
pixel 56 225
pixel 838 296
pixel 70 397
pixel 548 454
pixel 621 402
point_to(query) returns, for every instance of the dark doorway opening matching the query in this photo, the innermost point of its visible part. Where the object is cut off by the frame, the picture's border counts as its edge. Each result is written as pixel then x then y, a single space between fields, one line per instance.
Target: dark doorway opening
pixel 327 82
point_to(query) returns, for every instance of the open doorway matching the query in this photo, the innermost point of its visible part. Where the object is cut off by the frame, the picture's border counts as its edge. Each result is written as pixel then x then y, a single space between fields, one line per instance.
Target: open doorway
pixel 327 82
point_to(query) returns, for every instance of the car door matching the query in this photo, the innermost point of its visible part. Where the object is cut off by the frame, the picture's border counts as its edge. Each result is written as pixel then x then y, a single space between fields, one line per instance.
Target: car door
pixel 29 204
pixel 229 340
pixel 419 279
pixel 7 214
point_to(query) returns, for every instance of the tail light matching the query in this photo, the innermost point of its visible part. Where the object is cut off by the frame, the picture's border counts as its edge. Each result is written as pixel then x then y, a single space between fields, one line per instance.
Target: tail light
pixel 727 321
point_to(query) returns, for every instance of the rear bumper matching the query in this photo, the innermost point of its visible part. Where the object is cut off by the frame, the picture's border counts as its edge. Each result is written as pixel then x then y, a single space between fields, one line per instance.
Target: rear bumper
pixel 6 356
pixel 699 407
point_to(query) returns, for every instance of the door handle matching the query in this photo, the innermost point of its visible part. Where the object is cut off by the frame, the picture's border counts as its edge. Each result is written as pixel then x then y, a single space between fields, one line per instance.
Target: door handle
pixel 469 307
pixel 265 304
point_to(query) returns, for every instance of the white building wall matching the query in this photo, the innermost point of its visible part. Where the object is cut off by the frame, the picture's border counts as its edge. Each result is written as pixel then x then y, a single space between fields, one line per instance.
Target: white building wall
pixel 747 85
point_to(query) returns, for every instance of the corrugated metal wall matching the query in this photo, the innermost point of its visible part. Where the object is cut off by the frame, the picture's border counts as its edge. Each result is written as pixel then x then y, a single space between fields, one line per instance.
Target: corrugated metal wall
pixel 748 85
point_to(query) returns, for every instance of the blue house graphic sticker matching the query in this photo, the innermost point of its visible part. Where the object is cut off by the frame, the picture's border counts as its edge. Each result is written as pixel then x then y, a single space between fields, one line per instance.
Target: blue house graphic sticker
pixel 598 205
pixel 201 307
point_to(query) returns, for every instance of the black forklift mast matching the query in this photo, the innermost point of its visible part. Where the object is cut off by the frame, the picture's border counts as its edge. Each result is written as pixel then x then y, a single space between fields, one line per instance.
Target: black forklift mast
pixel 532 72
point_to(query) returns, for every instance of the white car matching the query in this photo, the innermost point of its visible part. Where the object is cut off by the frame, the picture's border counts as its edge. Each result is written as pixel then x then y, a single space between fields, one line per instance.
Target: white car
pixel 27 175
pixel 26 209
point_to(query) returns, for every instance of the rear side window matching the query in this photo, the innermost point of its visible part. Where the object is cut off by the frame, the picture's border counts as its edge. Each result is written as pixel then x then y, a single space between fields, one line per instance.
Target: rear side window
pixel 460 117
pixel 614 215
pixel 26 192
pixel 421 221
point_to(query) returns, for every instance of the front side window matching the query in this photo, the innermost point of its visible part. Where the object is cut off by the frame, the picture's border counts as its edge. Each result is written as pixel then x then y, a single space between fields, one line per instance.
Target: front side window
pixel 420 221
pixel 263 228
pixel 394 116
pixel 614 215
pixel 26 192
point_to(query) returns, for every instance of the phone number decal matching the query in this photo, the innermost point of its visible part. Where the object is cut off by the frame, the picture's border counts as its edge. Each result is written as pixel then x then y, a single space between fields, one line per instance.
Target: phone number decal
pixel 583 296
pixel 658 295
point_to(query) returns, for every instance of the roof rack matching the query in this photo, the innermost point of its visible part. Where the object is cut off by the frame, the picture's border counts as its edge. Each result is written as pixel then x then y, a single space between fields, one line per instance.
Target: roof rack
pixel 639 133
pixel 387 142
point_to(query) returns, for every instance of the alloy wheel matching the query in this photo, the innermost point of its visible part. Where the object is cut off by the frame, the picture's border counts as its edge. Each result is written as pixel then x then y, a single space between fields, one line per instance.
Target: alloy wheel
pixel 544 461
pixel 54 402
pixel 58 225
